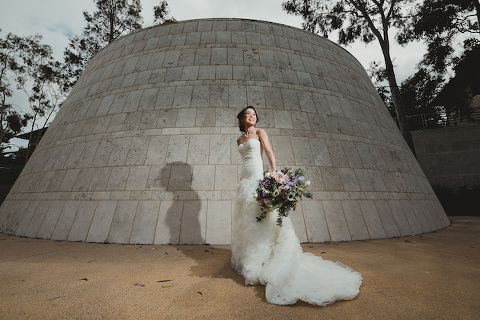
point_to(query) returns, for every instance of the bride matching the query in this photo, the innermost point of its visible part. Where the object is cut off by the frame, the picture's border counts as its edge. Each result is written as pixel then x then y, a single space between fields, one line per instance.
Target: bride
pixel 265 253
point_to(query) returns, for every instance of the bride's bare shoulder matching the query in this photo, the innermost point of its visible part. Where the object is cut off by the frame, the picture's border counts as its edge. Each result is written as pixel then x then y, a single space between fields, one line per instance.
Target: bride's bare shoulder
pixel 260 132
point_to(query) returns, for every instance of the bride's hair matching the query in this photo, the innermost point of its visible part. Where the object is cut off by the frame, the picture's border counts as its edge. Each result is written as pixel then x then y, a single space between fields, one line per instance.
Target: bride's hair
pixel 241 116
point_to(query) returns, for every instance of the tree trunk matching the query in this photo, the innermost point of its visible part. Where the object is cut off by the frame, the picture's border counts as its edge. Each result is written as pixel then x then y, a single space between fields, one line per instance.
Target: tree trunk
pixel 397 101
pixel 476 3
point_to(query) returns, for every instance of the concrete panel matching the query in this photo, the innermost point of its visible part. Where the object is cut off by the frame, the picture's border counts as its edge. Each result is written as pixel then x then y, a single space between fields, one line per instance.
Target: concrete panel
pixel 65 220
pixel 83 221
pixel 316 225
pixel 50 220
pixel 219 215
pixel 145 223
pixel 372 219
pixel 355 221
pixel 122 222
pixel 193 225
pixel 337 225
pixel 102 221
pixel 37 219
pixel 27 217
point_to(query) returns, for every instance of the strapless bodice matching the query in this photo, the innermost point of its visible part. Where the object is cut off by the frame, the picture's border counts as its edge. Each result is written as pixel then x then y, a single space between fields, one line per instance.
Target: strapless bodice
pixel 251 153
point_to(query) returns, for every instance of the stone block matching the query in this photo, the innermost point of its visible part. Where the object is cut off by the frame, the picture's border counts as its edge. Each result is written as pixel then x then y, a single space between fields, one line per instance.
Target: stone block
pixel 219 56
pixel 158 178
pixel 28 216
pixel 302 152
pixel 50 219
pixel 203 177
pixel 82 221
pixel 198 149
pixel 122 222
pixel 180 177
pixel 316 225
pixel 171 58
pixel 283 120
pixel 138 151
pixel 83 180
pixel 100 179
pixel 349 179
pixel 177 149
pixel 193 225
pixel 101 221
pixel 118 178
pixel 335 218
pixel 145 223
pixel 157 150
pixel 219 150
pixel 69 180
pixel 219 215
pixel 355 220
pixel 119 152
pixel 364 181
pixel 255 97
pixel 225 177
pixel 201 98
pixel 372 219
pixel 388 219
pixel 169 222
pixel 149 119
pixel 282 146
pixel 65 220
pixel 400 218
pixel 320 153
pixel 137 178
pixel 182 98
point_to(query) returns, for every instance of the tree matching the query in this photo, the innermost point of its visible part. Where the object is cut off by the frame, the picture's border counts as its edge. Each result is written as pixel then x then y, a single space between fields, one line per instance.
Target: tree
pixel 160 14
pixel 418 91
pixel 364 20
pixel 113 19
pixel 38 75
pixel 440 24
pixel 12 51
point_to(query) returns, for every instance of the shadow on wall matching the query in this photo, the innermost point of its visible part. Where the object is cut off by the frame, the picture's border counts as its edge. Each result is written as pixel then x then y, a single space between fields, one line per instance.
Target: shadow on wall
pixel 182 217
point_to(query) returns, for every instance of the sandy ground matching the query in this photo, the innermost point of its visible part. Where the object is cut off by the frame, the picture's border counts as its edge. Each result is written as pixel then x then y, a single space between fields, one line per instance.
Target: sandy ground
pixel 430 276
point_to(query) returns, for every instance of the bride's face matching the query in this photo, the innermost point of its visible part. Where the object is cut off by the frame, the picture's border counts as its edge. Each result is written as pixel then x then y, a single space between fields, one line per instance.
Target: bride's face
pixel 250 117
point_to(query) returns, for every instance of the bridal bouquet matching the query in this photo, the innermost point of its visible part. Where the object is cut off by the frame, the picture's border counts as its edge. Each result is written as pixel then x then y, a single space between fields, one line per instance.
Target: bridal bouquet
pixel 281 190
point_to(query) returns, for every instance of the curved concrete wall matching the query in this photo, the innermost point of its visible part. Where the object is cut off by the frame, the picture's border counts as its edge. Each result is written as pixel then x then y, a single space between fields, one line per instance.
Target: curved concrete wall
pixel 143 150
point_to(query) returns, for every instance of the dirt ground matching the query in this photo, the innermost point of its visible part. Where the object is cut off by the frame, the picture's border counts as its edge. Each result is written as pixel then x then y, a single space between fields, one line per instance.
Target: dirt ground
pixel 429 276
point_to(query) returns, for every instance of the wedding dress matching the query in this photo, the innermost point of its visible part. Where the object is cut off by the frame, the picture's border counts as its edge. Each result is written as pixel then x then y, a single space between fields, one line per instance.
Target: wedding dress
pixel 265 253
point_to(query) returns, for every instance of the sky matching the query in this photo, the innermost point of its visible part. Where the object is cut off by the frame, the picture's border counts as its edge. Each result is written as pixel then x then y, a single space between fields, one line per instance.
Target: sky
pixel 58 20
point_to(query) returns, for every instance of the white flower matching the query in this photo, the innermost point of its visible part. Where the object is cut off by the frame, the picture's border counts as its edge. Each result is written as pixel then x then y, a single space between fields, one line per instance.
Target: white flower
pixel 307 183
pixel 267 175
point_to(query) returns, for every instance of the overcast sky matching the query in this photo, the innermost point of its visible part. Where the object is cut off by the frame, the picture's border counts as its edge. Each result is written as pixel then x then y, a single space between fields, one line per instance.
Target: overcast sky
pixel 57 20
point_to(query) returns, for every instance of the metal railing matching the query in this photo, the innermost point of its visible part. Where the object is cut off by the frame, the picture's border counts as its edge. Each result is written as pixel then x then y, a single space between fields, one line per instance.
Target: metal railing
pixel 435 120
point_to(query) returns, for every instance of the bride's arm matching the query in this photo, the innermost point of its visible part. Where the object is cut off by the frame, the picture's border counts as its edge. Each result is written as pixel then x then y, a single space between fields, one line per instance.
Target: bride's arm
pixel 262 134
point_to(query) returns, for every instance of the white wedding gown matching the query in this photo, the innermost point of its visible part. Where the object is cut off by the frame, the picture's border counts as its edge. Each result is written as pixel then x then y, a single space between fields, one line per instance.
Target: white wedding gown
pixel 265 253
